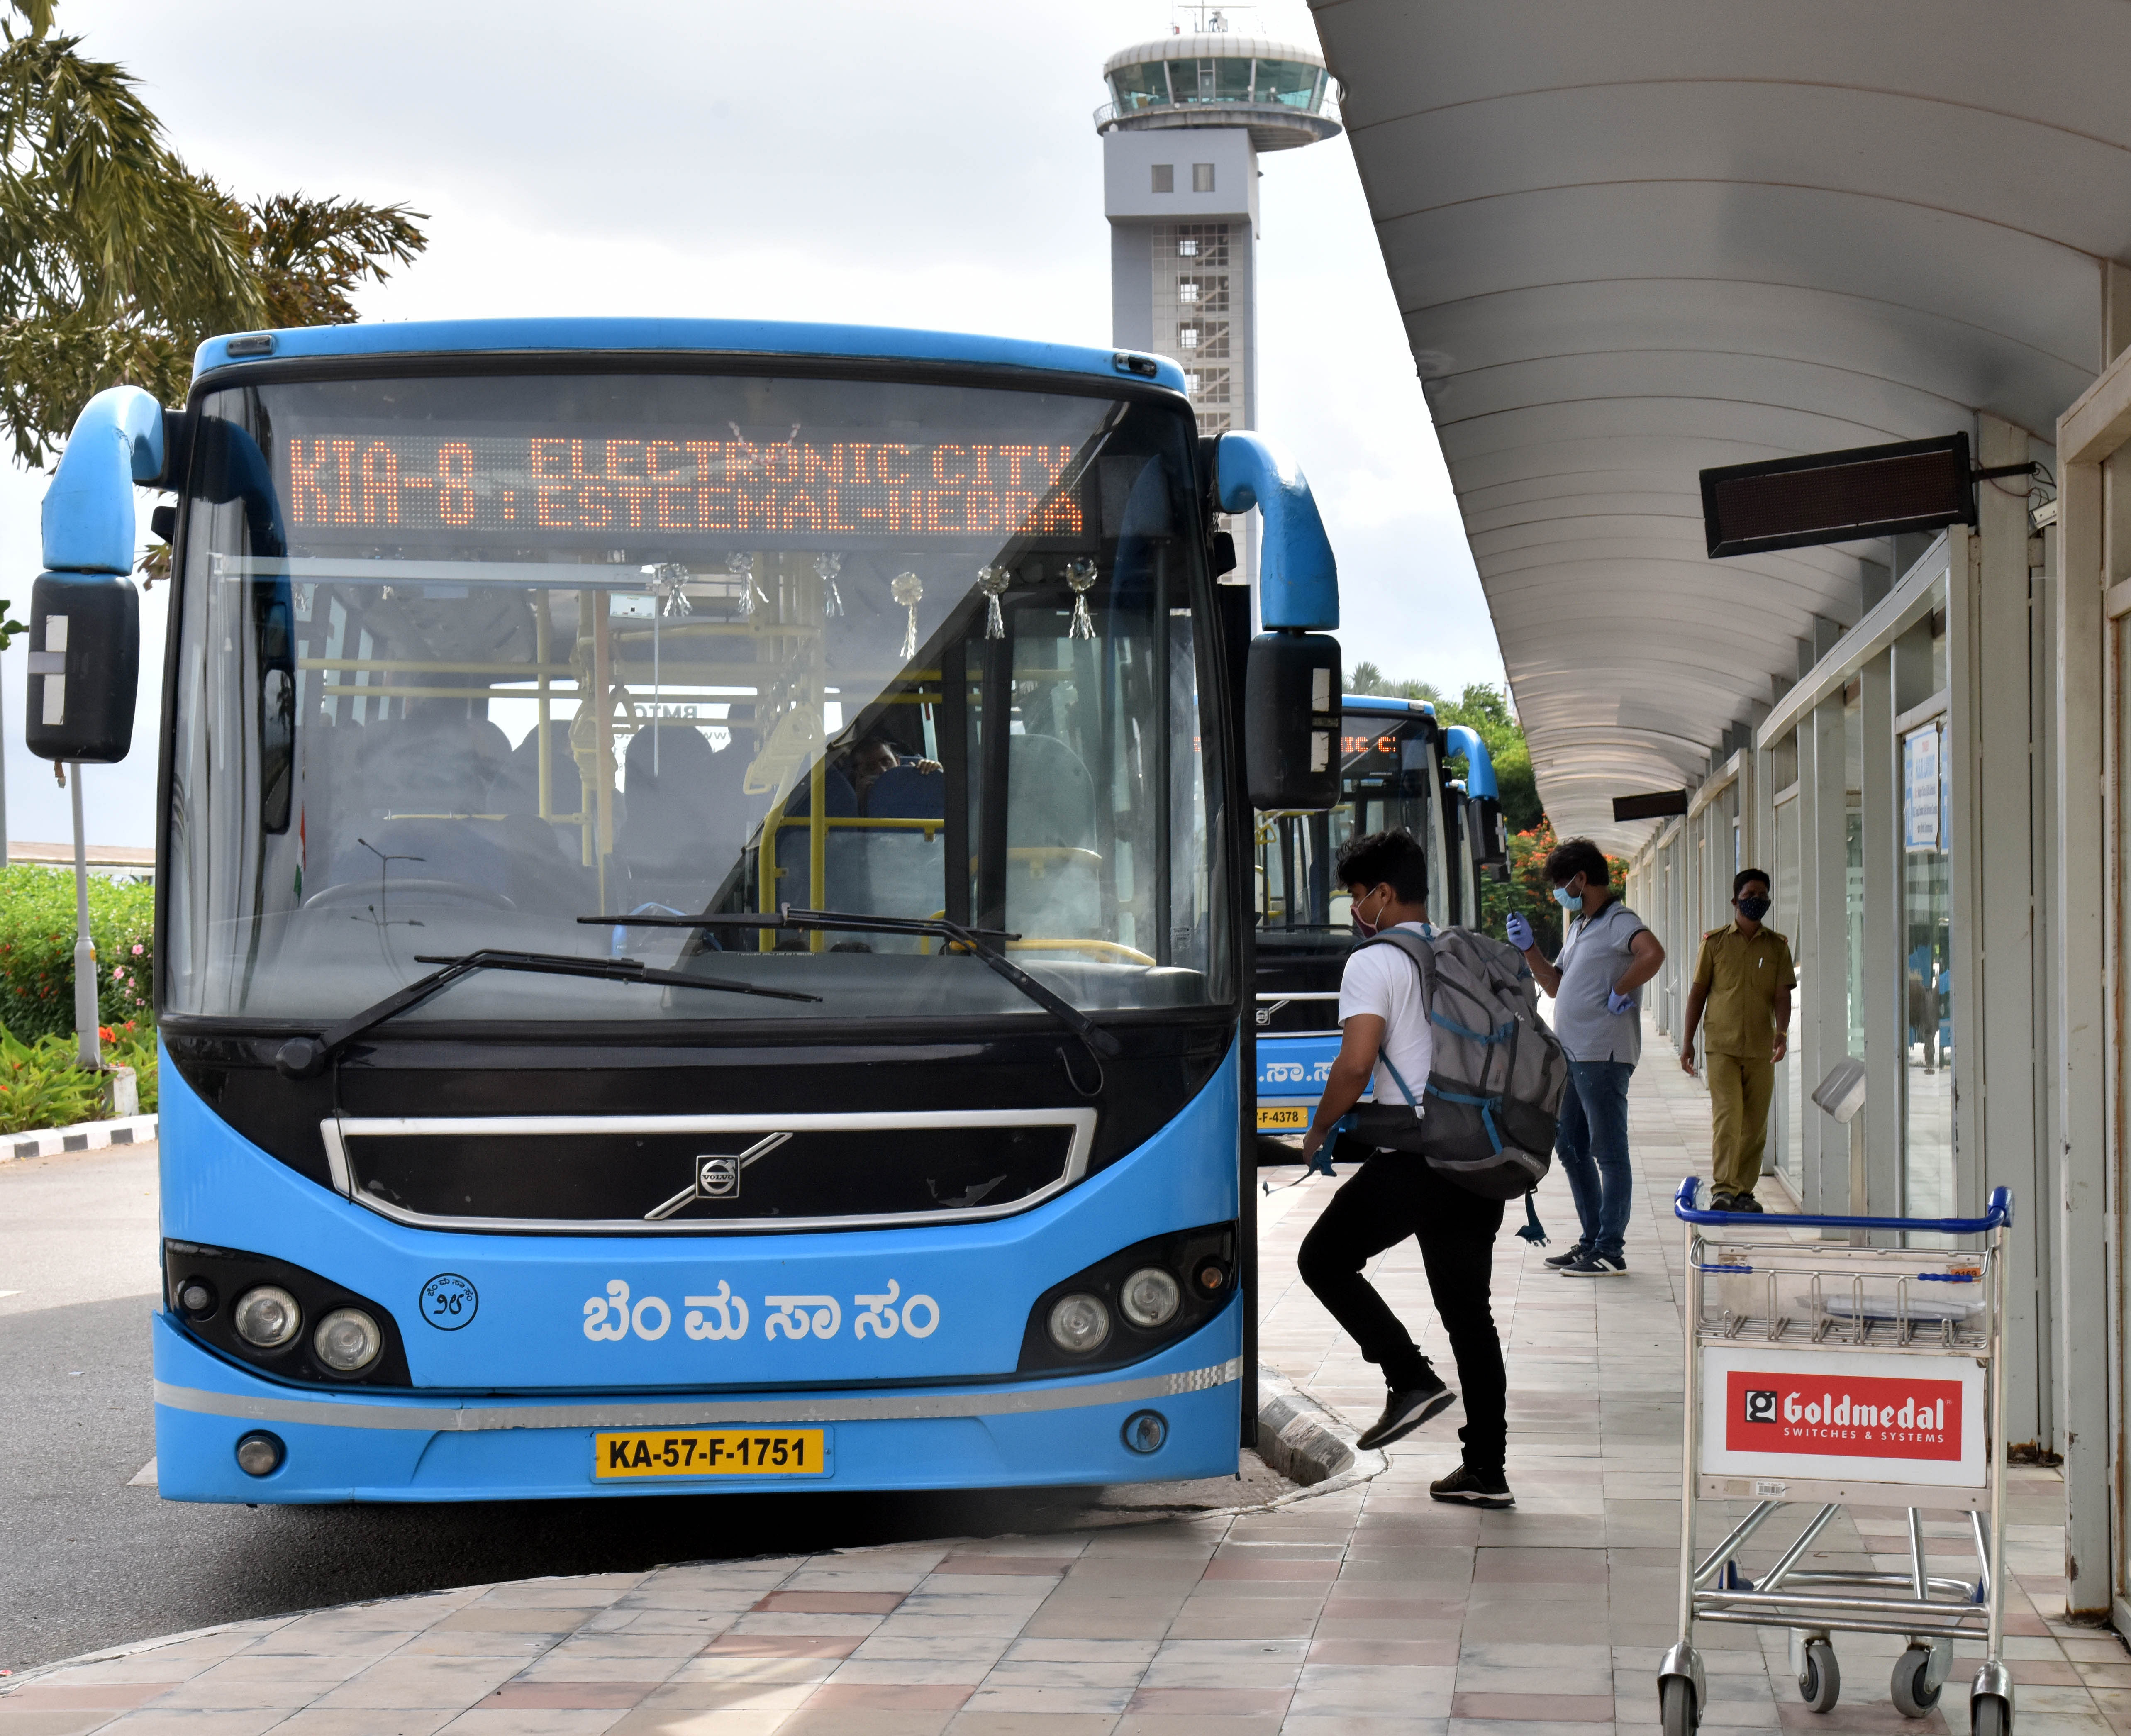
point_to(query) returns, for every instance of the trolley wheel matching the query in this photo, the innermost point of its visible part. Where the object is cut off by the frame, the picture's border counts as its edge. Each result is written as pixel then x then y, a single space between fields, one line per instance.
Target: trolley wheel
pixel 1988 1715
pixel 1820 1681
pixel 1677 1714
pixel 1914 1694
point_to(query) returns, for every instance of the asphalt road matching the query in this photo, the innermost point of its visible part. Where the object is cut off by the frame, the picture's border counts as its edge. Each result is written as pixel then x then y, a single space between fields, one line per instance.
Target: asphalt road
pixel 92 1559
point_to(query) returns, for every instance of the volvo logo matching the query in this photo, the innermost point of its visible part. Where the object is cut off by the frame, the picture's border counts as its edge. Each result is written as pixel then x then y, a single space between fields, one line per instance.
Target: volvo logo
pixel 716 1178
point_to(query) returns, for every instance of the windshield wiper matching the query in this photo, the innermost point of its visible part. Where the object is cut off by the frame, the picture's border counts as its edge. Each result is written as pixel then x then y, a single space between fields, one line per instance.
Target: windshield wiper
pixel 972 939
pixel 301 1056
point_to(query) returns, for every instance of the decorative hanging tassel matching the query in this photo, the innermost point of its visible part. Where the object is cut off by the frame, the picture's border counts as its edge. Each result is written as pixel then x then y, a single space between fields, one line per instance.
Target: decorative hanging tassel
pixel 832 600
pixel 1081 575
pixel 665 585
pixel 907 589
pixel 742 568
pixel 993 580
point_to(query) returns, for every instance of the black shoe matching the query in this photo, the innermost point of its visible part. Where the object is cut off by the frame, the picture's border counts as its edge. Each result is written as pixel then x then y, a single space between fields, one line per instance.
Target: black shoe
pixel 1405 1411
pixel 1598 1266
pixel 1745 1203
pixel 1474 1488
pixel 1722 1201
pixel 1576 1250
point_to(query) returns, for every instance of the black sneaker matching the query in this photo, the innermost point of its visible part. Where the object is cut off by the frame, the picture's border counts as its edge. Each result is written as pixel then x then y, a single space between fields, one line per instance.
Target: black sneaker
pixel 1576 1250
pixel 1405 1411
pixel 1745 1203
pixel 1598 1266
pixel 1722 1201
pixel 1474 1488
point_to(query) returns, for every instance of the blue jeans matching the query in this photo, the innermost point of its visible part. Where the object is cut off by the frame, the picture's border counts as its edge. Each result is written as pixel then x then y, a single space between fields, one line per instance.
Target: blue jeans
pixel 1592 1140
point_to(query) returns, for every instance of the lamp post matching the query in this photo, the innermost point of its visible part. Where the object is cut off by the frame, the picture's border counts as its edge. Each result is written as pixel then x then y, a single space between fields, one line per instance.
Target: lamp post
pixel 84 948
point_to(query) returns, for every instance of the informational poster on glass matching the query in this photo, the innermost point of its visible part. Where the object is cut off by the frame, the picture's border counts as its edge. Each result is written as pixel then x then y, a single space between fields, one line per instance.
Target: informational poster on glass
pixel 1921 790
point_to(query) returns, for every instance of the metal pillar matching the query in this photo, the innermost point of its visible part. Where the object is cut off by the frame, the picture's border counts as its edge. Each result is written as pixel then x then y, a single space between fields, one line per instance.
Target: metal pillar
pixel 84 949
pixel 1886 1013
pixel 2080 1020
pixel 1824 860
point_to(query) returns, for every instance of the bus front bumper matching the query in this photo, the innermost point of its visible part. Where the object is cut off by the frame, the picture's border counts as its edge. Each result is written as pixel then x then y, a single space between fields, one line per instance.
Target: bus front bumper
pixel 375 1445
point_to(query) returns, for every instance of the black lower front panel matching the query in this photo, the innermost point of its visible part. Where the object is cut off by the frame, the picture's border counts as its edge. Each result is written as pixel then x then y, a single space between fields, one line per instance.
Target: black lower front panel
pixel 688 1178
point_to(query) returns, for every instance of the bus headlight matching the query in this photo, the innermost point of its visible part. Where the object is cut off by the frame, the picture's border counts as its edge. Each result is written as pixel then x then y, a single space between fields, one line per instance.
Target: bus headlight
pixel 1080 1323
pixel 267 1317
pixel 1132 1304
pixel 1150 1297
pixel 347 1341
pixel 274 1315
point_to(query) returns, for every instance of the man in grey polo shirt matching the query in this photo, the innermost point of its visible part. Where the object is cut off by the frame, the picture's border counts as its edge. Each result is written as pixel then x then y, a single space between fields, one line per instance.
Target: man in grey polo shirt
pixel 1605 959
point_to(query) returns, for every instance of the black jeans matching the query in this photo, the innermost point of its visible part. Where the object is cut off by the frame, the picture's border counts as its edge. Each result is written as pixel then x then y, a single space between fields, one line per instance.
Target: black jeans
pixel 1394 1195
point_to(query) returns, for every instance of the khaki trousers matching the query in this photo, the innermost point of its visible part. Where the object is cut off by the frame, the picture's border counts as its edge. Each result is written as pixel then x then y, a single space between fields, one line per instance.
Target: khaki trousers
pixel 1740 1088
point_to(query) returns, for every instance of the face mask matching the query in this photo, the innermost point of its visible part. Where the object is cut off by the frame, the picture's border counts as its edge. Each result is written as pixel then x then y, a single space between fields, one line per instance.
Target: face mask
pixel 1567 900
pixel 1753 909
pixel 1362 923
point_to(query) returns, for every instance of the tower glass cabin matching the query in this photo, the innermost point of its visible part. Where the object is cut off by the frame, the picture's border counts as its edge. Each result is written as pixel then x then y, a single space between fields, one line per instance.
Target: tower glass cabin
pixel 1186 119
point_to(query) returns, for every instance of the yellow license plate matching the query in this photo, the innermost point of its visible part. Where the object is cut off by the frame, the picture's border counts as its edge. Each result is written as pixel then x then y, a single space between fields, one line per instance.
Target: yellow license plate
pixel 1296 1118
pixel 713 1452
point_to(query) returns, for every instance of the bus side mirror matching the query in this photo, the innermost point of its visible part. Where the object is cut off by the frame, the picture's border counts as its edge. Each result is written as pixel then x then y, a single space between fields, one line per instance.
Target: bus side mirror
pixel 84 612
pixel 1487 834
pixel 1292 721
pixel 84 665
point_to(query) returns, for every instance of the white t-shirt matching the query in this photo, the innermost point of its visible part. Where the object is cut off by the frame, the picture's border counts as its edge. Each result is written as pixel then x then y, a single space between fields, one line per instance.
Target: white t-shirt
pixel 1384 981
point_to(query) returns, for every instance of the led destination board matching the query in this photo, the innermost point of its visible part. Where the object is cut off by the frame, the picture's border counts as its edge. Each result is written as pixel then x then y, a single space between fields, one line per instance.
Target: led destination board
pixel 356 486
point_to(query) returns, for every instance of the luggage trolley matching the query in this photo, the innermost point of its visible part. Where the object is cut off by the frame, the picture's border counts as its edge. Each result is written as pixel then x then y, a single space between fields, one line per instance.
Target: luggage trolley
pixel 1829 1373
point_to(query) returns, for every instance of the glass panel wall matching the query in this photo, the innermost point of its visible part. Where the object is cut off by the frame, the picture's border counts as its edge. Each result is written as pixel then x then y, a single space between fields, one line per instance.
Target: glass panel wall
pixel 1928 971
pixel 1853 760
pixel 1291 83
pixel 1789 1097
pixel 1143 86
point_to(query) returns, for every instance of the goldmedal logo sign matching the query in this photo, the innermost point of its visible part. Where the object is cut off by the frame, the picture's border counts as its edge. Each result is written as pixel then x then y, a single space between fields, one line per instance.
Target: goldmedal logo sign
pixel 1842 1416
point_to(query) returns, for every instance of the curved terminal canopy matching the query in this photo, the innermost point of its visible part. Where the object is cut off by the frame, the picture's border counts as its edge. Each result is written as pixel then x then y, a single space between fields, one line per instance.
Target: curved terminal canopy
pixel 1279 90
pixel 1625 254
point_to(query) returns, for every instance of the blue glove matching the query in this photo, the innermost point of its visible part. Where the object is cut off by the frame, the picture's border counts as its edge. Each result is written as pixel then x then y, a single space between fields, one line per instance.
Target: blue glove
pixel 1520 933
pixel 1618 1003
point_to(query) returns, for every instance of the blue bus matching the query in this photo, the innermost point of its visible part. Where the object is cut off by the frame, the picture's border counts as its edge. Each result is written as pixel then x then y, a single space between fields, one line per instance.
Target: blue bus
pixel 1394 774
pixel 702 938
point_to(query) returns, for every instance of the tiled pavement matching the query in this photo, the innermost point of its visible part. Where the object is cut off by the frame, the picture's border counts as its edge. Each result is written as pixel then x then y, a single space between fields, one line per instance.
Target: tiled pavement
pixel 1362 1613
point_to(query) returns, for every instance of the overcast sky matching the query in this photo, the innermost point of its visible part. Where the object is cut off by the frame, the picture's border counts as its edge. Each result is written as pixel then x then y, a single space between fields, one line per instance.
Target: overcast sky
pixel 927 165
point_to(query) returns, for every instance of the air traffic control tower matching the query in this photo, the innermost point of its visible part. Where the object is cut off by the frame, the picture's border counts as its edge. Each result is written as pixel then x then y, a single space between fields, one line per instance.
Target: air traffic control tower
pixel 1187 116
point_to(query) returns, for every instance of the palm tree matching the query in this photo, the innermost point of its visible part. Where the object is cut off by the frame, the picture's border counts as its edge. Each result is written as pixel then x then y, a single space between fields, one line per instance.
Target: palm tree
pixel 116 260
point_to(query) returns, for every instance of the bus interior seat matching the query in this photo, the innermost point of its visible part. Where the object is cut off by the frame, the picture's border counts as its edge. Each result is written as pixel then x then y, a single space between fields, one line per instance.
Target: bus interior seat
pixel 845 879
pixel 906 868
pixel 1051 809
pixel 676 842
pixel 839 800
pixel 906 791
pixel 1051 798
pixel 517 792
pixel 423 765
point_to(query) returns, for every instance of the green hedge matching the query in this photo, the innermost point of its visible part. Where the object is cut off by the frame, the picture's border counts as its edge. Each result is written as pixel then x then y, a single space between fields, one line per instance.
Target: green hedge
pixel 37 951
pixel 41 1085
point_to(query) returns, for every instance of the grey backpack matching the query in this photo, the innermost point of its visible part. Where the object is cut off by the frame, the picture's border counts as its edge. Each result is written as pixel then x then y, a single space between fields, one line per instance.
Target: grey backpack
pixel 1494 1087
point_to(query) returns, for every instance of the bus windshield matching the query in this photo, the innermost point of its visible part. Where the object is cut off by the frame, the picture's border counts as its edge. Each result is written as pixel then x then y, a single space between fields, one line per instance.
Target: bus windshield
pixel 467 657
pixel 1387 782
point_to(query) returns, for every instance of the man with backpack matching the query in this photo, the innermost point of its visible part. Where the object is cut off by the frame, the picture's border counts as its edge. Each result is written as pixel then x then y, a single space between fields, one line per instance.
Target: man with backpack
pixel 1446 1189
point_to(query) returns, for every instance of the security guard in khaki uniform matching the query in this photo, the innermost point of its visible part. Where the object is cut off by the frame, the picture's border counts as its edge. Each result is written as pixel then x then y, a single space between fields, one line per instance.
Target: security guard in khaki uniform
pixel 1744 979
